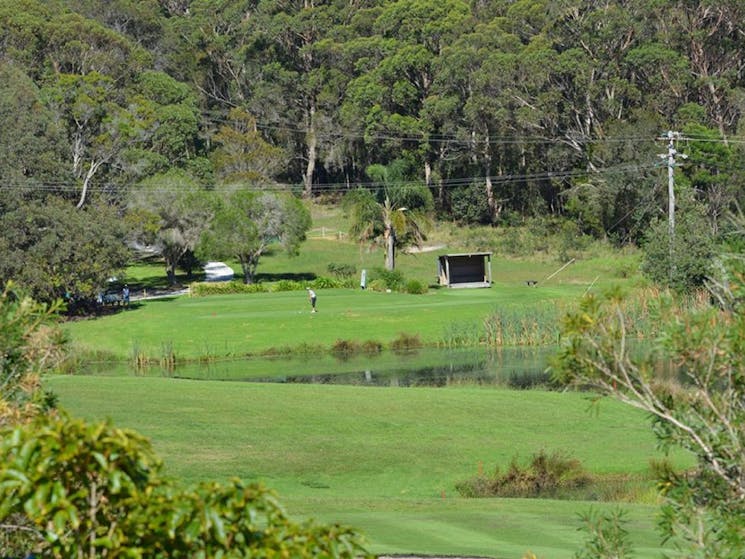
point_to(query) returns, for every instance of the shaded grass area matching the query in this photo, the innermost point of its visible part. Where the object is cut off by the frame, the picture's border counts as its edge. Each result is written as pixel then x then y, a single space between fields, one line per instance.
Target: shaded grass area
pixel 499 528
pixel 384 460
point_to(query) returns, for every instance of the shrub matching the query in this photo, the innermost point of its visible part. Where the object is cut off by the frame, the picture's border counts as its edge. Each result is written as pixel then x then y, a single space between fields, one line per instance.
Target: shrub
pixel 606 535
pixel 416 287
pixel 689 263
pixel 349 283
pixel 469 205
pixel 286 285
pixel 572 242
pixel 406 342
pixel 327 283
pixel 301 349
pixel 91 490
pixel 546 476
pixel 31 344
pixel 626 269
pixel 342 271
pixel 394 280
pixel 377 285
pixel 203 289
pixel 252 287
pixel 371 347
pixel 345 348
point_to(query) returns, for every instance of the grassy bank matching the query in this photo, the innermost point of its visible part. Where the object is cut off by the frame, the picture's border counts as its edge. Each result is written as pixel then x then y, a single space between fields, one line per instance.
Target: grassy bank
pixel 385 460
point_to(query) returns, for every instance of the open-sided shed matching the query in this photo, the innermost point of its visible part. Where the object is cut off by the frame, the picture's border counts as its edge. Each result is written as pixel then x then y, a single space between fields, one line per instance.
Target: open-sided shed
pixel 465 270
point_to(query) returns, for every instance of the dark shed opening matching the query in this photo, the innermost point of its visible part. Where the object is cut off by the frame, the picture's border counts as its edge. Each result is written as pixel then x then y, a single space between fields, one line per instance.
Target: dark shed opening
pixel 464 270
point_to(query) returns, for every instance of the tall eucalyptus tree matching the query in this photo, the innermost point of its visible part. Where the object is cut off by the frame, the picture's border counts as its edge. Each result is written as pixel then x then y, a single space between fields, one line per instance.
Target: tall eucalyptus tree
pixel 292 86
pixel 389 100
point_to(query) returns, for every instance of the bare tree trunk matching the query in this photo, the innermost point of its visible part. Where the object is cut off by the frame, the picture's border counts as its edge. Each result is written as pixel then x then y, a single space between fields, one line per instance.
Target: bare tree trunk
pixel 441 182
pixel 77 153
pixel 249 265
pixel 390 248
pixel 312 141
pixel 487 180
pixel 490 198
pixel 87 180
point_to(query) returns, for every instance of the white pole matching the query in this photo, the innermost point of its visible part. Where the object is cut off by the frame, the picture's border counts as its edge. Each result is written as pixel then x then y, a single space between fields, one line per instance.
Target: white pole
pixel 559 270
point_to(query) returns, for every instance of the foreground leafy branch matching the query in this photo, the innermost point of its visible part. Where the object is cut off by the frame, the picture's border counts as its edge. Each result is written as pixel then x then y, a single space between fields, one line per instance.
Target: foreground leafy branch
pixel 92 490
pixel 691 381
pixel 30 345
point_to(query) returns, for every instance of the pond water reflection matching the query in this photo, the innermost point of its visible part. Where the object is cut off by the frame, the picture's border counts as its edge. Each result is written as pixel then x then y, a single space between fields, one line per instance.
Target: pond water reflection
pixel 509 367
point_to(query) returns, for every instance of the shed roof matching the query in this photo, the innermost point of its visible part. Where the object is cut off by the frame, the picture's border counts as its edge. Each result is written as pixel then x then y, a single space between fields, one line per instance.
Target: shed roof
pixel 467 254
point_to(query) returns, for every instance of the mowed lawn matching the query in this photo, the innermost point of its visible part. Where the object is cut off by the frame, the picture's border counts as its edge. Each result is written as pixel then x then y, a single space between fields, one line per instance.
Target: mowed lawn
pixel 236 325
pixel 385 460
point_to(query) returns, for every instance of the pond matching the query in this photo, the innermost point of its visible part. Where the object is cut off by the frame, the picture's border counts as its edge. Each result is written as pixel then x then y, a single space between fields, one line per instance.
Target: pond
pixel 509 367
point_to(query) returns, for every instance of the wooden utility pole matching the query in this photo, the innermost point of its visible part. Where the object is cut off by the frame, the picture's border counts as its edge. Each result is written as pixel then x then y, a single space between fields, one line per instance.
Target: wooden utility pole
pixel 670 156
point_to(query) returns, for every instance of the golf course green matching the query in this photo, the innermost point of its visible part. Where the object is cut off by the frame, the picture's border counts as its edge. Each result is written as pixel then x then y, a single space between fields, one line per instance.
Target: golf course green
pixel 386 460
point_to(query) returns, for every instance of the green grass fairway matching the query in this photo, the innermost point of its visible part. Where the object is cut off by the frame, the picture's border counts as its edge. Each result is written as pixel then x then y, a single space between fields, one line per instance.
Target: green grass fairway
pixel 384 460
pixel 237 325
pixel 499 528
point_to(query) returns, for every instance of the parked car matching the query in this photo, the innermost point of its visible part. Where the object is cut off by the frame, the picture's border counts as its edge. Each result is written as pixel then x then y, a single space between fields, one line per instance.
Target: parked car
pixel 218 271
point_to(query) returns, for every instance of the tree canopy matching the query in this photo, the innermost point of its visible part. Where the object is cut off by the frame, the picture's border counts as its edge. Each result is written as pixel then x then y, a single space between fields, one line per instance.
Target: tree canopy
pixel 56 252
pixel 246 223
pixel 524 98
pixel 392 212
pixel 698 404
pixel 502 109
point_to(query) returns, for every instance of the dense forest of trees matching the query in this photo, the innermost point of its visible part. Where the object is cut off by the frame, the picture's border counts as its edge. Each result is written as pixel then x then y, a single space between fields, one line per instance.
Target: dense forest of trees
pixel 502 108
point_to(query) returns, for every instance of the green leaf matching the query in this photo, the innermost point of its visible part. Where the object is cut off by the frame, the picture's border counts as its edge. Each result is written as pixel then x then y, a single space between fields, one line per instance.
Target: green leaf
pixel 59 521
pixel 218 525
pixel 101 459
pixel 115 481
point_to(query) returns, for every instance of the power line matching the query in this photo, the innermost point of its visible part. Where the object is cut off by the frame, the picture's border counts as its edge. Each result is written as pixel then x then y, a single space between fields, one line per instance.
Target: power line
pixel 644 202
pixel 215 117
pixel 452 183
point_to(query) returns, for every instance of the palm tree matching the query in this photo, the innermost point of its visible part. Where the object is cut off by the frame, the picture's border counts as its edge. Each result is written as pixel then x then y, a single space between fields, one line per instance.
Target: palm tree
pixel 395 212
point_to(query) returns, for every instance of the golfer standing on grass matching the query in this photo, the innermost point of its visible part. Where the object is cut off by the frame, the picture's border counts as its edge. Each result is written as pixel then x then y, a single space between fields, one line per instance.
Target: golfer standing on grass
pixel 312 297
